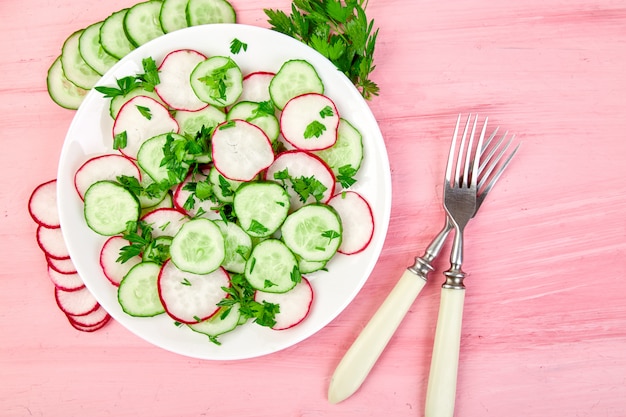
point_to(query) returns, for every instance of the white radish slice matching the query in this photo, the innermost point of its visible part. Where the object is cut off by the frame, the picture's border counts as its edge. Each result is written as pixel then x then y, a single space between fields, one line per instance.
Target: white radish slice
pixel 142 118
pixel 190 298
pixel 52 243
pixel 241 150
pixel 67 282
pixel 104 167
pixel 76 303
pixel 181 195
pixel 165 221
pixel 42 205
pixel 303 164
pixel 64 266
pixel 110 252
pixel 357 221
pixel 294 304
pixel 90 319
pixel 174 87
pixel 256 86
pixel 310 122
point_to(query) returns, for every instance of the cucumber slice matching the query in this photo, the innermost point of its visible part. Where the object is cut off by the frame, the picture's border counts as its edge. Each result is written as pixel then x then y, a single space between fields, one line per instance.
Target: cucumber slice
pixel 138 292
pixel 198 247
pixel 141 23
pixel 306 267
pixel 313 232
pixel 74 66
pixel 294 78
pixel 237 245
pixel 61 90
pixel 191 122
pixel 220 323
pixel 223 188
pixel 348 150
pixel 261 207
pixel 118 101
pixel 151 154
pixel 202 12
pixel 173 15
pixel 272 267
pixel 108 207
pixel 253 113
pixel 217 81
pixel 92 52
pixel 112 36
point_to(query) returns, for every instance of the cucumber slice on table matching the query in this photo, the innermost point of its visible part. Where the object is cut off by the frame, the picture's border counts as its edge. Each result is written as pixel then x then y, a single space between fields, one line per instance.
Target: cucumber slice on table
pixel 112 36
pixel 74 66
pixel 173 15
pixel 142 24
pixel 202 12
pixel 91 49
pixel 62 91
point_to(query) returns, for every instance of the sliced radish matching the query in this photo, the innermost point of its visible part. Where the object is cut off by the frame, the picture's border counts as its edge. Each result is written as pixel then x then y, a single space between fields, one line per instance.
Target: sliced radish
pixel 303 164
pixel 190 298
pixel 52 243
pixel 110 252
pixel 141 118
pixel 310 122
pixel 93 318
pixel 76 303
pixel 67 282
pixel 64 266
pixel 294 305
pixel 256 86
pixel 165 221
pixel 174 87
pixel 42 205
pixel 104 167
pixel 357 221
pixel 181 195
pixel 241 150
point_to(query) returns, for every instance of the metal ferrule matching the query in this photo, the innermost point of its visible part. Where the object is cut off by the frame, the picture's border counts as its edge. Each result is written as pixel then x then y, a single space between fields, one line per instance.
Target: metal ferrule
pixel 454 279
pixel 421 268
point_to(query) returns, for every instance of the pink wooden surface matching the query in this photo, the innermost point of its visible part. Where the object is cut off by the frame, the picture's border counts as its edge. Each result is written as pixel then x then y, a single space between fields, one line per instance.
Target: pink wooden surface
pixel 544 330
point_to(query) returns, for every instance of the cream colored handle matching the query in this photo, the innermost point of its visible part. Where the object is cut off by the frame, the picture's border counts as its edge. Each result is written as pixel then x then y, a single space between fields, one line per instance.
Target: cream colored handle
pixel 441 391
pixel 364 352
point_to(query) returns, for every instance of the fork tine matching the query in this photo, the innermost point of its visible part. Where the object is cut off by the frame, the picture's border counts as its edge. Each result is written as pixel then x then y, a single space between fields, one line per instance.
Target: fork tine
pixel 452 151
pixel 465 178
pixel 459 159
pixel 477 155
pixel 500 170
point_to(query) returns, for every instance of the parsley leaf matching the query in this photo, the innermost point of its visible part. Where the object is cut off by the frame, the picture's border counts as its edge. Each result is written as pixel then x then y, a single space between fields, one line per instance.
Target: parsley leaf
pixel 120 140
pixel 236 46
pixel 241 292
pixel 314 129
pixel 346 176
pixel 145 112
pixel 305 187
pixel 216 79
pixel 150 78
pixel 257 228
pixel 326 112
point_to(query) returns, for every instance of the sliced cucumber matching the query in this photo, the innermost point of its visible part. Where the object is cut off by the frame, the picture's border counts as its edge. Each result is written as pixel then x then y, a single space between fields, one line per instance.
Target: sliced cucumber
pixel 141 23
pixel 237 245
pixel 109 207
pixel 61 90
pixel 294 78
pixel 198 247
pixel 92 52
pixel 217 81
pixel 138 292
pixel 191 122
pixel 74 66
pixel 151 154
pixel 348 150
pixel 220 323
pixel 272 267
pixel 261 207
pixel 313 232
pixel 112 36
pixel 306 267
pixel 173 15
pixel 223 188
pixel 252 112
pixel 202 12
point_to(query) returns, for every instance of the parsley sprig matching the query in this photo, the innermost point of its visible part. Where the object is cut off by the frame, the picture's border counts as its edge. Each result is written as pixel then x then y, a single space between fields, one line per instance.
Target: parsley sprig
pixel 305 187
pixel 147 80
pixel 339 30
pixel 240 291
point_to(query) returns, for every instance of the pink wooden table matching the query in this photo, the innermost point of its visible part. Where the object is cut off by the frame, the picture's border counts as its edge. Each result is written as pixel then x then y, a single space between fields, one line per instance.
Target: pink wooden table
pixel 544 330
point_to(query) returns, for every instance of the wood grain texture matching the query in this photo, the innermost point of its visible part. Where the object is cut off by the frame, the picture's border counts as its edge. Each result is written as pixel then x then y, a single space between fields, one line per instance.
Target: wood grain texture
pixel 544 330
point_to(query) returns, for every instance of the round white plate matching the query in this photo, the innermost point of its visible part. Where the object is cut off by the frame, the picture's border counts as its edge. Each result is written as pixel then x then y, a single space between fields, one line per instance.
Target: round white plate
pixel 90 135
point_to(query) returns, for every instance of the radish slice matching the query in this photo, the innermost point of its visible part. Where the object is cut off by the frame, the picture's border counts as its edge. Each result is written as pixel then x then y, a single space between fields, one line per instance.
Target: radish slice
pixel 190 298
pixel 67 282
pixel 174 87
pixel 90 322
pixel 256 87
pixel 357 221
pixel 64 266
pixel 42 205
pixel 142 118
pixel 310 122
pixel 165 221
pixel 52 243
pixel 181 196
pixel 241 150
pixel 104 167
pixel 303 164
pixel 113 270
pixel 294 305
pixel 77 303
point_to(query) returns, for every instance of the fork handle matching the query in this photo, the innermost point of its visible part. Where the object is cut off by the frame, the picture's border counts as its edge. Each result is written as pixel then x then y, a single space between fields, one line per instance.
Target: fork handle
pixel 441 391
pixel 368 346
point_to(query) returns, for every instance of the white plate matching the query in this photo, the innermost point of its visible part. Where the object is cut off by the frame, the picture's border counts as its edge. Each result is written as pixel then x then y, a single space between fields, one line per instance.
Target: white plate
pixel 90 134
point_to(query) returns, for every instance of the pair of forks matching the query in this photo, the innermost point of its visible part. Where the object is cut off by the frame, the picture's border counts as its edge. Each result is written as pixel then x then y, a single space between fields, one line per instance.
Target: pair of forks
pixel 471 172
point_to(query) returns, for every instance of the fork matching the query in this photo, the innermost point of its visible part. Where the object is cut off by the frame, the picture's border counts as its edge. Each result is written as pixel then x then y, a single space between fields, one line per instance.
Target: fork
pixel 367 348
pixel 460 202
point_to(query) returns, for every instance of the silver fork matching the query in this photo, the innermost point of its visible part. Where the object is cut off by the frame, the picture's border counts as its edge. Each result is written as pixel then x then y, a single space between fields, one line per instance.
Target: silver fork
pixel 460 202
pixel 367 348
